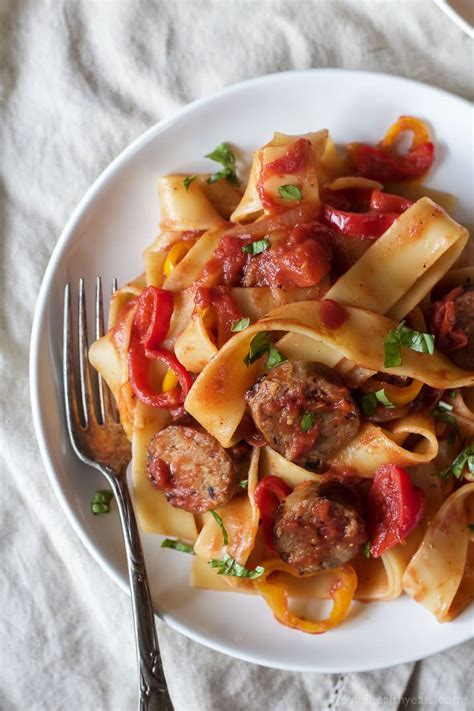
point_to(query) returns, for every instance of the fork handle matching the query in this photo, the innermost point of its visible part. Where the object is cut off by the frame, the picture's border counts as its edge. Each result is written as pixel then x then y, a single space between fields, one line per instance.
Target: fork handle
pixel 154 694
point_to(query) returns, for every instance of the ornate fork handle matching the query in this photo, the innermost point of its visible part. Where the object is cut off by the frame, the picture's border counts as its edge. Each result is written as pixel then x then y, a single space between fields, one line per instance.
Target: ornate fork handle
pixel 153 689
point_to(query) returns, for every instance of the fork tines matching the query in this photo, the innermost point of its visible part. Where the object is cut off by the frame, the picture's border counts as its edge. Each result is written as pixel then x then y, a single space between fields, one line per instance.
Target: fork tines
pixel 92 405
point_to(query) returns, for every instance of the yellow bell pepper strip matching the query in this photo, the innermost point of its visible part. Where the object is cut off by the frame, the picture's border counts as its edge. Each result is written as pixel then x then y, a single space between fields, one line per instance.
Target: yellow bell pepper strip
pixel 382 163
pixel 170 381
pixel 402 395
pixel 417 127
pixel 177 252
pixel 276 596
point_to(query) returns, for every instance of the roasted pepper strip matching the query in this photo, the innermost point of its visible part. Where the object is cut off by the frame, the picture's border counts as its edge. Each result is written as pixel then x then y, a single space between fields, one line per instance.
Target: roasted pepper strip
pixel 361 225
pixel 270 491
pixel 403 395
pixel 150 326
pixel 276 596
pixel 383 164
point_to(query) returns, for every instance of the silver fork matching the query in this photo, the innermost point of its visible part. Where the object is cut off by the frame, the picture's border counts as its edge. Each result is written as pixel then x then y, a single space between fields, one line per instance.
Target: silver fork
pixel 99 441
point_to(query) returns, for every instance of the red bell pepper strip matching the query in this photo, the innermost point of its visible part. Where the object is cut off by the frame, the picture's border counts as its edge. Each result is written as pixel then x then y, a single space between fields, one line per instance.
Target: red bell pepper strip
pixel 149 328
pixel 138 365
pixel 361 225
pixel 394 508
pixel 153 315
pixel 381 164
pixel 443 322
pixel 385 202
pixel 270 491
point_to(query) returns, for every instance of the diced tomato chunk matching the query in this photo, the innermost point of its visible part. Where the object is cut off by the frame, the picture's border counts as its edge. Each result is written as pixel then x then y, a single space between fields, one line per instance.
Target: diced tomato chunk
pixel 395 508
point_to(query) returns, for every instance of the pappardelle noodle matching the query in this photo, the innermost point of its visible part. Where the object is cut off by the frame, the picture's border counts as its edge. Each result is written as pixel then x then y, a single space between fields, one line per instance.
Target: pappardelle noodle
pixel 295 370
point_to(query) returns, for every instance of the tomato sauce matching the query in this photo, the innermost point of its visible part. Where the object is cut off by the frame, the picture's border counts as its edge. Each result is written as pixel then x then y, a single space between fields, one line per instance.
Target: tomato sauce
pixel 333 315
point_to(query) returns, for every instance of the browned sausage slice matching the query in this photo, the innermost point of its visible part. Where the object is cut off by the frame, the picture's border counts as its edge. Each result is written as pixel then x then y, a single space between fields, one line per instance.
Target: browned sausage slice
pixel 192 469
pixel 464 309
pixel 279 400
pixel 319 526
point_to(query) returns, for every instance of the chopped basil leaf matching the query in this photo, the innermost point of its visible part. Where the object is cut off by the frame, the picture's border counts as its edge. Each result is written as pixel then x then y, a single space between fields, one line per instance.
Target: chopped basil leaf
pixel 457 467
pixel 381 397
pixel 244 483
pixel 444 406
pixel 177 545
pixel 290 192
pixel 367 549
pixel 404 337
pixel 188 180
pixel 256 247
pixel 449 420
pixel 275 357
pixel 220 523
pixel 240 325
pixel 100 503
pixel 452 394
pixel 369 404
pixel 307 421
pixel 223 155
pixel 259 345
pixel 229 566
pixel 470 526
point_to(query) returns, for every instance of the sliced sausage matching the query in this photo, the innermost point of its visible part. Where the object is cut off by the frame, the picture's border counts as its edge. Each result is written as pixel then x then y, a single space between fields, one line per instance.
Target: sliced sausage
pixel 192 469
pixel 452 320
pixel 281 398
pixel 464 309
pixel 319 525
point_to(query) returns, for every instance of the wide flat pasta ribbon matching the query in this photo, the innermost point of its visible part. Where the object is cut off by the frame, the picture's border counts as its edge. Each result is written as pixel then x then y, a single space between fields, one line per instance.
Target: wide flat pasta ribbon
pixel 251 206
pixel 216 399
pixel 436 572
pixel 403 265
pixel 240 518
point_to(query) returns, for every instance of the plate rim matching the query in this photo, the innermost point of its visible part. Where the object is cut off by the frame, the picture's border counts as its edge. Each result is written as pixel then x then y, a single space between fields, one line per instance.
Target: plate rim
pixel 84 203
pixel 455 17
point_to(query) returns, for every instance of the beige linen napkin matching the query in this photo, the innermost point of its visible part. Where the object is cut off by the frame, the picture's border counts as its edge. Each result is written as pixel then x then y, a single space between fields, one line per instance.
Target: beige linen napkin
pixel 79 81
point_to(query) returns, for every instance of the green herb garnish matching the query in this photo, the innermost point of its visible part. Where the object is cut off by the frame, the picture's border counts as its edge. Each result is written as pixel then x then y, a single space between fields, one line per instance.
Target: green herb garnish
pixel 260 344
pixel 404 337
pixel 229 566
pixel 256 247
pixel 366 549
pixel 223 155
pixel 220 523
pixel 307 421
pixel 177 545
pixel 382 397
pixel 452 393
pixel 369 402
pixel 275 357
pixel 240 325
pixel 188 180
pixel 244 483
pixel 100 503
pixel 450 420
pixel 470 526
pixel 457 467
pixel 289 192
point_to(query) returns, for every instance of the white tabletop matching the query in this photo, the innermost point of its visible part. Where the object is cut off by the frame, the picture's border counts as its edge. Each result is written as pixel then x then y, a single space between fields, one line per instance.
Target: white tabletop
pixel 79 81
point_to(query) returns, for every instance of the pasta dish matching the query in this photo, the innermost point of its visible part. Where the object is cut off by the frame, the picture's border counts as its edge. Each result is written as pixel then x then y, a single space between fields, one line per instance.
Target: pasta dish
pixel 295 370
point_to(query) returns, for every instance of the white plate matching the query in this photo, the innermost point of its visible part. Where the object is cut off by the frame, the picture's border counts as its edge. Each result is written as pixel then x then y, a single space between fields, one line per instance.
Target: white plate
pixel 461 12
pixel 106 235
